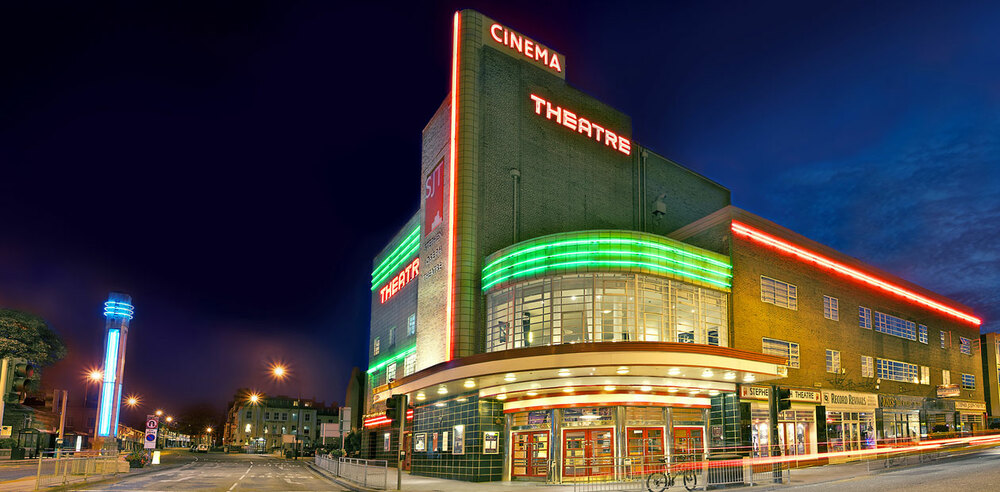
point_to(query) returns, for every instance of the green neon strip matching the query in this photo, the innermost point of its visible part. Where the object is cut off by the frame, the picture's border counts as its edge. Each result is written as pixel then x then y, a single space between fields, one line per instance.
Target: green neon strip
pixel 392 359
pixel 403 247
pixel 402 253
pixel 637 242
pixel 613 252
pixel 625 263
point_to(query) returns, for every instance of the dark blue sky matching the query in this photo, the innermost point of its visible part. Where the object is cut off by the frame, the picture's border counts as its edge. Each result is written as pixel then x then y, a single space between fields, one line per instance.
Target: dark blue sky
pixel 235 166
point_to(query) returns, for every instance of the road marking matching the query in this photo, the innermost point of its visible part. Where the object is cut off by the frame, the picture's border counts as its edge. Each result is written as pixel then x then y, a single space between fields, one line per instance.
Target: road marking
pixel 241 478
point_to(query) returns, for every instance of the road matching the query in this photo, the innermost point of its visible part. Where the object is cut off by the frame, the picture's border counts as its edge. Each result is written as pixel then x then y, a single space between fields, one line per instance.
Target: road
pixel 227 473
pixel 980 471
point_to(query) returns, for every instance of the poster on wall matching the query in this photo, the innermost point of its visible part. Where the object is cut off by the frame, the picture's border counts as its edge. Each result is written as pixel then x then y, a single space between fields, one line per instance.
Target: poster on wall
pixel 387 441
pixel 434 442
pixel 458 446
pixel 420 442
pixel 434 199
pixel 444 441
pixel 491 442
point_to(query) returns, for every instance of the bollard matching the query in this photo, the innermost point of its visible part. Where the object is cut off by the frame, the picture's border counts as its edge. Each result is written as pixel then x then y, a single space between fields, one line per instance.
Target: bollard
pixel 38 477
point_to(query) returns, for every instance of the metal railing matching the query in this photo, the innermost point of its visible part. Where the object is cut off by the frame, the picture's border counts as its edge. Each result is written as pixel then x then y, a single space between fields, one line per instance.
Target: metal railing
pixel 67 469
pixel 368 473
pixel 654 474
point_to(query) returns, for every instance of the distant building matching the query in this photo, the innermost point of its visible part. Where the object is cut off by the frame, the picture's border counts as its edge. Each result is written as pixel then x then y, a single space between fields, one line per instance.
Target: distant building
pixel 275 422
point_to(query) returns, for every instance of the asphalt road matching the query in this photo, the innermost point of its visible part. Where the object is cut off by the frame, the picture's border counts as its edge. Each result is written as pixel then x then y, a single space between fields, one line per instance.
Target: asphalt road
pixel 980 471
pixel 227 473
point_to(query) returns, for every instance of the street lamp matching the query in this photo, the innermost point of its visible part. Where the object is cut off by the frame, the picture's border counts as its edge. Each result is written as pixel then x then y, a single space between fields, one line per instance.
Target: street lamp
pixel 279 372
pixel 133 401
pixel 254 398
pixel 159 413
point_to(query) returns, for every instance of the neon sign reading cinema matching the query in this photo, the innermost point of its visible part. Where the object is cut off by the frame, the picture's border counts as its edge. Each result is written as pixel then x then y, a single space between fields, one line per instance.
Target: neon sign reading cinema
pixel 582 125
pixel 400 280
pixel 525 46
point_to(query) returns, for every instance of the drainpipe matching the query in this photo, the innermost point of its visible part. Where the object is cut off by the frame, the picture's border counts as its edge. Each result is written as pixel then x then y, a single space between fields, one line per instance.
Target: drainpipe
pixel 516 182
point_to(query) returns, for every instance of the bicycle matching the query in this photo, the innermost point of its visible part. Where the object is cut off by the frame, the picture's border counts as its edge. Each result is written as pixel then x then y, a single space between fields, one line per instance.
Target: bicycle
pixel 658 481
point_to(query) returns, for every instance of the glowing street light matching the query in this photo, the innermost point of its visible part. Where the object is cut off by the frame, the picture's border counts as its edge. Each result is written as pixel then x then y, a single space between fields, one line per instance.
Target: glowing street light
pixel 278 371
pixel 254 398
pixel 132 401
pixel 169 419
pixel 95 375
pixel 159 413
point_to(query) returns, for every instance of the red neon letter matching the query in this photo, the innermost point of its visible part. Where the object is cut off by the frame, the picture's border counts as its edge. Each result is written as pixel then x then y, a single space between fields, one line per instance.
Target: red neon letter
pixel 516 42
pixel 583 125
pixel 624 146
pixel 610 139
pixel 529 48
pixel 538 103
pixel 493 32
pixel 549 112
pixel 569 119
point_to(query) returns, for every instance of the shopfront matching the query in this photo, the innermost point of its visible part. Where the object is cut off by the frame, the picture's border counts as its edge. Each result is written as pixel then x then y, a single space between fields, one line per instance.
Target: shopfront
pixel 796 426
pixel 971 414
pixel 898 418
pixel 850 420
pixel 958 415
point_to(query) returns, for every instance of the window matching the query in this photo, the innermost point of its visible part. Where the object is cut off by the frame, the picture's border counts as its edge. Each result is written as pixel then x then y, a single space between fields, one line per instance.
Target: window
pixel 781 348
pixel 375 346
pixel 922 334
pixel 411 324
pixel 965 346
pixel 925 375
pixel 864 317
pixel 779 293
pixel 267 415
pixel 390 373
pixel 945 339
pixel 945 376
pixel 892 325
pixel 392 336
pixel 410 364
pixel 833 361
pixel 895 370
pixel 968 381
pixel 867 366
pixel 831 308
pixel 308 417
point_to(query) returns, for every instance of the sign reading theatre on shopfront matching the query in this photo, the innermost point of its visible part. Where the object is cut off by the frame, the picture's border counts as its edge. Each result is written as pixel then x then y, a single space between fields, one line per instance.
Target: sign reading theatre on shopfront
pixel 761 393
pixel 523 47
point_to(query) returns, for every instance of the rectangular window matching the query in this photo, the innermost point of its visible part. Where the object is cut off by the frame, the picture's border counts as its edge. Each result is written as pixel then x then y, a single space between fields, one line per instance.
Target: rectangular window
pixel 968 381
pixel 895 326
pixel 831 308
pixel 864 317
pixel 833 361
pixel 925 375
pixel 944 343
pixel 249 414
pixel 375 346
pixel 411 325
pixel 267 415
pixel 895 370
pixel 867 366
pixel 392 336
pixel 922 335
pixel 945 376
pixel 390 373
pixel 308 418
pixel 965 346
pixel 409 364
pixel 781 294
pixel 781 348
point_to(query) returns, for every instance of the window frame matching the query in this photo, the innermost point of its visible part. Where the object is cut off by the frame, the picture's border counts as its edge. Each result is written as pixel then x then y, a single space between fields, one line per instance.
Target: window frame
pixel 831 308
pixel 867 366
pixel 793 356
pixel 970 386
pixel 833 361
pixel 791 296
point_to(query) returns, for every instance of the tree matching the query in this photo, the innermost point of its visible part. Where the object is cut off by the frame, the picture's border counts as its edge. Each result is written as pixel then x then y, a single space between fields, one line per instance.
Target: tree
pixel 27 336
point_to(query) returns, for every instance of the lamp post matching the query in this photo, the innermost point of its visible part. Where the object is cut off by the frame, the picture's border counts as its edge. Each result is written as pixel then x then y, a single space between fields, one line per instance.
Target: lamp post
pixel 279 373
pixel 254 399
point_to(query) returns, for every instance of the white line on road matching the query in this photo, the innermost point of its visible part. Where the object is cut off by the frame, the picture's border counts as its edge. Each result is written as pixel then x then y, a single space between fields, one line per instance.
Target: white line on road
pixel 241 478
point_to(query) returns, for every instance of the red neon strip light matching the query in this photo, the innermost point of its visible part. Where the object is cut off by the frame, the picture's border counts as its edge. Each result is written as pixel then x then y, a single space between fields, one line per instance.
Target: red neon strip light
pixel 804 254
pixel 451 186
pixel 382 420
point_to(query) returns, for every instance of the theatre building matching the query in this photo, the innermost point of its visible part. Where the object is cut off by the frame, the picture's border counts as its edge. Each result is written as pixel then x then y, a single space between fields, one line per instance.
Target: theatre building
pixel 565 296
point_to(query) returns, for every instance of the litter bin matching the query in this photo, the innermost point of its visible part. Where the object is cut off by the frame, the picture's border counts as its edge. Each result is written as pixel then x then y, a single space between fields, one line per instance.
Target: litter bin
pixel 17 453
pixel 725 469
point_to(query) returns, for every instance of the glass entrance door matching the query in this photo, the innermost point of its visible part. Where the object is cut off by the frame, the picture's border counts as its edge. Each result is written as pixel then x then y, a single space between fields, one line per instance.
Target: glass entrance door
pixel 689 443
pixel 645 448
pixel 530 454
pixel 588 452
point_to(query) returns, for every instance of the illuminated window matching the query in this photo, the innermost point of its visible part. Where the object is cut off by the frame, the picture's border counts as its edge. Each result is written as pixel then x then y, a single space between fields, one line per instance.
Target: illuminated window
pixel 867 366
pixel 831 308
pixel 965 346
pixel 375 346
pixel 922 334
pixel 968 381
pixel 895 326
pixel 864 317
pixel 411 325
pixel 410 364
pixel 945 376
pixel 944 338
pixel 390 373
pixel 781 294
pixel 895 370
pixel 781 348
pixel 832 361
pixel 925 375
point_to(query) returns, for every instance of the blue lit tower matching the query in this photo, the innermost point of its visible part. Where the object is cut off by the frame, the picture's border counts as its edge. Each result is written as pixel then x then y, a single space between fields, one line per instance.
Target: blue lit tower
pixel 117 314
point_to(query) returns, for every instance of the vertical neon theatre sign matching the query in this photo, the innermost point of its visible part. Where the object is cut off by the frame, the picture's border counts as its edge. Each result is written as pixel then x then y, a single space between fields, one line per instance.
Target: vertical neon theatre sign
pixel 118 312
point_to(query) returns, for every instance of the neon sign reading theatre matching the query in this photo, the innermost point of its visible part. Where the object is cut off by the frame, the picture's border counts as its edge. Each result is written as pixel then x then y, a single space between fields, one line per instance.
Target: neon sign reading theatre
pixel 582 125
pixel 400 280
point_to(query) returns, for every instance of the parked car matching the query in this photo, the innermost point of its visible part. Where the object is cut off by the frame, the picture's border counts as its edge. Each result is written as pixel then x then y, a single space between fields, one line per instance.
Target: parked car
pixel 201 448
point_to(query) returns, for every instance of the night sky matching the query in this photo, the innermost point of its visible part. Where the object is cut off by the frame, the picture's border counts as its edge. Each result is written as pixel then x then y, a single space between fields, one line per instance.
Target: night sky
pixel 235 167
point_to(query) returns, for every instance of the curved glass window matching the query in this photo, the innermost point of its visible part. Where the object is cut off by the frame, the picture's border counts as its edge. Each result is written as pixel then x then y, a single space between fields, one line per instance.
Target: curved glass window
pixel 604 307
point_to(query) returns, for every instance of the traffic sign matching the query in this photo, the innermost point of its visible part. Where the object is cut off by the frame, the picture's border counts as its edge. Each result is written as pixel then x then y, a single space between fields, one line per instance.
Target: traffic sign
pixel 152 422
pixel 150 439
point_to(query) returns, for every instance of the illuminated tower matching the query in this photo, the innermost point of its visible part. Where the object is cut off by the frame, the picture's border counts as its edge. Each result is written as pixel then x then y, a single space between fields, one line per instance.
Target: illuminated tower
pixel 117 314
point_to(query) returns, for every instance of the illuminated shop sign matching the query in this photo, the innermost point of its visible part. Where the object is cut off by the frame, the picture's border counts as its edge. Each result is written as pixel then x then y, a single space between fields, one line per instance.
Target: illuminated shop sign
pixel 400 280
pixel 582 125
pixel 527 47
